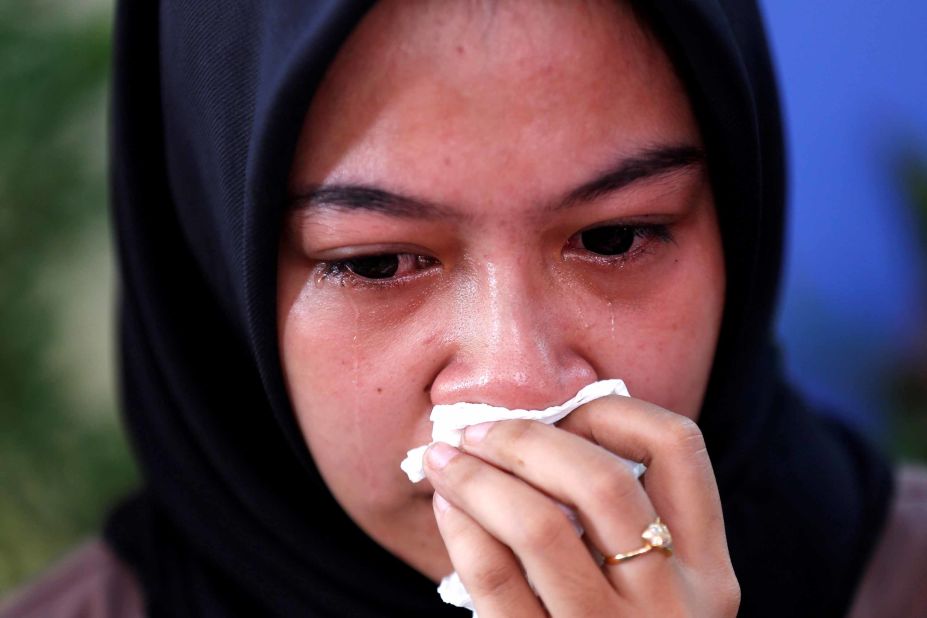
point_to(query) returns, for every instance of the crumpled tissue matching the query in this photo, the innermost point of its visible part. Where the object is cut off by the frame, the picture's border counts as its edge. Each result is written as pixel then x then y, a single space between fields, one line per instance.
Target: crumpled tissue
pixel 450 420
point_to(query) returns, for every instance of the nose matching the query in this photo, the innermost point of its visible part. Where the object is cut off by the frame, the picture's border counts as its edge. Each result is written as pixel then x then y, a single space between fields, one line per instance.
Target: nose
pixel 511 344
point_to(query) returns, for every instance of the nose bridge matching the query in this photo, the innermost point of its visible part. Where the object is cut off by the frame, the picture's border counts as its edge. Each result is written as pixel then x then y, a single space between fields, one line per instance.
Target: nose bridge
pixel 507 328
pixel 508 323
pixel 508 351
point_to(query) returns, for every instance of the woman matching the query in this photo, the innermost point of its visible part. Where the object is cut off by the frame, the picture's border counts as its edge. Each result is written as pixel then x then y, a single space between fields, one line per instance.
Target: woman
pixel 331 219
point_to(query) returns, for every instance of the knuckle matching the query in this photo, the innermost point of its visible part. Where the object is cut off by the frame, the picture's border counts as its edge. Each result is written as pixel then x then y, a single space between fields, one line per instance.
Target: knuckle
pixel 721 593
pixel 516 434
pixel 685 435
pixel 491 578
pixel 463 472
pixel 730 597
pixel 609 487
pixel 542 531
pixel 517 430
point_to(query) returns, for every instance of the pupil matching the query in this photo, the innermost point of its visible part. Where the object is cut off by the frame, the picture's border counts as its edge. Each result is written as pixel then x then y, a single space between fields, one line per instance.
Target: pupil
pixel 374 266
pixel 608 240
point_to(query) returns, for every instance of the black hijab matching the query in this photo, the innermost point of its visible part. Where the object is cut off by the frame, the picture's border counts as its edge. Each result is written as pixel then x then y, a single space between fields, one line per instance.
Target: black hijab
pixel 233 518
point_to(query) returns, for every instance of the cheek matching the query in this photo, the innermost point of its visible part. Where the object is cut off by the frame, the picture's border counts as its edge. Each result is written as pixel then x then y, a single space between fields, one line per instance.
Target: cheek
pixel 668 355
pixel 358 391
pixel 659 334
pixel 681 339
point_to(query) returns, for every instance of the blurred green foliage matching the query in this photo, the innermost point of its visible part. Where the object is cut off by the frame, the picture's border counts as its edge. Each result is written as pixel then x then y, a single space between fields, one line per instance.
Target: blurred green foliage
pixel 62 457
pixel 907 384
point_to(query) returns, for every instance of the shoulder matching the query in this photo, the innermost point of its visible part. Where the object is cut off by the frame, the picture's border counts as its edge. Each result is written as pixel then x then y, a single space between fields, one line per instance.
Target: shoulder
pixel 893 582
pixel 89 582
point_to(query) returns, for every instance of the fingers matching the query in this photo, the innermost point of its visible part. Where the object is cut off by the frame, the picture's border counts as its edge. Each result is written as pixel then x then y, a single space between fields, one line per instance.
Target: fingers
pixel 537 531
pixel 512 473
pixel 610 501
pixel 679 481
pixel 488 569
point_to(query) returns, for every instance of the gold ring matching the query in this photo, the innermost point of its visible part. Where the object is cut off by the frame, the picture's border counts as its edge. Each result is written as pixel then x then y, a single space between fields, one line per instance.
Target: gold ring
pixel 655 536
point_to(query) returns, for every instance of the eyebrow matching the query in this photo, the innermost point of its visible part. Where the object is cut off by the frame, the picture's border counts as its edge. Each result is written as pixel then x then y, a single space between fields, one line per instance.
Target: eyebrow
pixel 371 199
pixel 645 165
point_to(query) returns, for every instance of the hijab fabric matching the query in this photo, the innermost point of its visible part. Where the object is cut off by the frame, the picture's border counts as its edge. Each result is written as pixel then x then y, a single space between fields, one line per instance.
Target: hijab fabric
pixel 233 518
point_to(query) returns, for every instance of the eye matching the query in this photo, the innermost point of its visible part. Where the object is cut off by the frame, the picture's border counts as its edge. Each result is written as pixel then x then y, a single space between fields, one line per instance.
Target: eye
pixel 619 241
pixel 380 267
pixel 374 266
pixel 608 240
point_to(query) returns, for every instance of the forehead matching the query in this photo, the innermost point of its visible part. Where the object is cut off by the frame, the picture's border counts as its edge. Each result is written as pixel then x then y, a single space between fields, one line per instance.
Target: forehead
pixel 540 89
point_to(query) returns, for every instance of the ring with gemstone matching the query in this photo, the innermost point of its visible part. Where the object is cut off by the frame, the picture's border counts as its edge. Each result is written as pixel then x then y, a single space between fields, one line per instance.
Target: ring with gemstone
pixel 654 536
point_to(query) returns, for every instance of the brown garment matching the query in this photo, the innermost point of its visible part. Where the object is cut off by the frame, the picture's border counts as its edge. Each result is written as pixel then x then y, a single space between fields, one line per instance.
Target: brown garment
pixel 92 583
pixel 895 583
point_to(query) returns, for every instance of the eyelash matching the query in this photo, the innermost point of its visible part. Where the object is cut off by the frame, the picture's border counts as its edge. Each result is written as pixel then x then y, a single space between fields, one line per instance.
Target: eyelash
pixel 339 271
pixel 647 232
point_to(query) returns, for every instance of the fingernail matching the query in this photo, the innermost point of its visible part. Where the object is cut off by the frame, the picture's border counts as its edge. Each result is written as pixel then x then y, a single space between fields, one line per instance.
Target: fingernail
pixel 475 433
pixel 439 454
pixel 440 503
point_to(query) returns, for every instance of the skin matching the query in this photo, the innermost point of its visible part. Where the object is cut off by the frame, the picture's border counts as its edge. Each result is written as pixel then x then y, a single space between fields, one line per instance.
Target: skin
pixel 490 120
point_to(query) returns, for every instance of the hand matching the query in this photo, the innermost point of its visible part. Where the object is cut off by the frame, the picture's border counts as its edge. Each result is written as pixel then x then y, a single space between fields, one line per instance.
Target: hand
pixel 496 506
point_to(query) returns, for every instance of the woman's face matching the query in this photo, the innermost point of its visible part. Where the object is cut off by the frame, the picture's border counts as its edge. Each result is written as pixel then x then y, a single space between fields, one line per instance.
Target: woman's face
pixel 491 202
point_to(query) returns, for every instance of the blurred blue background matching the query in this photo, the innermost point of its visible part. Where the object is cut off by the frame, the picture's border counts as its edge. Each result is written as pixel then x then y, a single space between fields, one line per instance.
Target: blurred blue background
pixel 853 321
pixel 854 87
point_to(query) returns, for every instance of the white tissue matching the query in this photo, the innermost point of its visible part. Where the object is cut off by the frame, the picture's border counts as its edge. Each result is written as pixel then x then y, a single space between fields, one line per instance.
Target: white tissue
pixel 453 592
pixel 451 419
pixel 449 423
